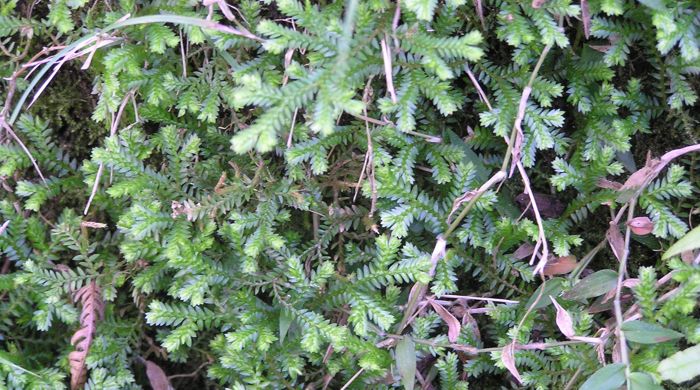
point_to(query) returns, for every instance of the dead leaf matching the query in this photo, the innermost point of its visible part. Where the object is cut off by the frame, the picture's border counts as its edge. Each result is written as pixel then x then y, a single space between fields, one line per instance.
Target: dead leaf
pixel 688 256
pixel 523 251
pixel 586 18
pixel 453 325
pixel 157 377
pixel 508 359
pixel 564 322
pixel 93 310
pixel 548 206
pixel 616 241
pixel 630 283
pixel 600 48
pixel 468 319
pixel 641 226
pixel 560 266
pixel 638 180
pixel 609 184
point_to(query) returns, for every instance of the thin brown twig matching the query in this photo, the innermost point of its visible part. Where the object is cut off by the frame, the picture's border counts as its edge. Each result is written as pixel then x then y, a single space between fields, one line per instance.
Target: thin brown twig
pixel 190 375
pixel 617 303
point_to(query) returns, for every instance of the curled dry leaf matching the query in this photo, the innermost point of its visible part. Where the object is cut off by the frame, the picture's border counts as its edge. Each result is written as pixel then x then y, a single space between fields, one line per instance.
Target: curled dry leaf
pixel 641 226
pixel 560 266
pixel 157 377
pixel 564 322
pixel 93 310
pixel 616 241
pixel 586 18
pixel 453 325
pixel 508 359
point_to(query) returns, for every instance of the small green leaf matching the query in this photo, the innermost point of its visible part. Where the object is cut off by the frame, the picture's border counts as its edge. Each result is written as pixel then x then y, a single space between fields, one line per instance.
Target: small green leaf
pixel 406 362
pixel 551 288
pixel 681 366
pixel 642 381
pixel 645 333
pixel 610 377
pixel 285 322
pixel 656 5
pixel 689 242
pixel 593 285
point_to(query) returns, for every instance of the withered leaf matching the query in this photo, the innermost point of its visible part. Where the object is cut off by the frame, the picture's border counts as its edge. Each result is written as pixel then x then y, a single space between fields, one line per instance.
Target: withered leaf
pixel 508 359
pixel 616 241
pixel 523 251
pixel 560 266
pixel 157 377
pixel 641 226
pixel 564 321
pixel 586 18
pixel 638 180
pixel 548 206
pixel 453 325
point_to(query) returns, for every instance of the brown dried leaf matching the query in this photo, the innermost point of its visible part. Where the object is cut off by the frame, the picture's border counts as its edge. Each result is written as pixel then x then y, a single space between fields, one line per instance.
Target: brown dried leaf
pixel 609 184
pixel 560 266
pixel 508 359
pixel 616 241
pixel 638 180
pixel 600 48
pixel 586 18
pixel 564 322
pixel 523 251
pixel 93 310
pixel 630 283
pixel 641 226
pixel 157 377
pixel 548 206
pixel 468 319
pixel 453 325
